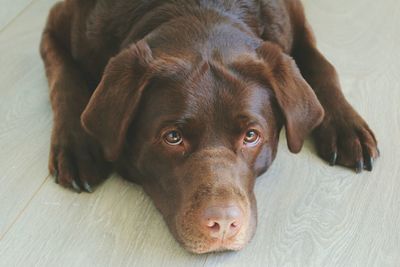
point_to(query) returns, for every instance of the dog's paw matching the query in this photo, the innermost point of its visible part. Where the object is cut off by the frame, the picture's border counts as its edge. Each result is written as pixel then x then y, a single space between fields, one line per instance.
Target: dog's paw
pixel 76 161
pixel 347 140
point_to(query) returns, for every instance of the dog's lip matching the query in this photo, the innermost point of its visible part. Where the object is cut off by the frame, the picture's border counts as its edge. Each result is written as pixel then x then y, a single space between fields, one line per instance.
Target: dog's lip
pixel 218 246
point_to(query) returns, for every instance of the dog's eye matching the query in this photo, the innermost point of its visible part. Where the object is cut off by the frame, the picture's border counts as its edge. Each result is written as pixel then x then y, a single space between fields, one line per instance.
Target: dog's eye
pixel 173 138
pixel 252 137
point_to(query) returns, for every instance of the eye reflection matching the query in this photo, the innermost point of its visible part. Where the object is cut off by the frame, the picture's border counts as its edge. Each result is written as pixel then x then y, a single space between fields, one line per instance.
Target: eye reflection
pixel 251 137
pixel 173 138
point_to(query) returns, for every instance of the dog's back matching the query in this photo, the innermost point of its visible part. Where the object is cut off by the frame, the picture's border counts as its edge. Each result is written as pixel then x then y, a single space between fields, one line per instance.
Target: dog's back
pixel 100 28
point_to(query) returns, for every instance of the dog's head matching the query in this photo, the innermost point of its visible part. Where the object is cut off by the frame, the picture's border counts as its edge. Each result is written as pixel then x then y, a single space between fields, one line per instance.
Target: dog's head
pixel 196 132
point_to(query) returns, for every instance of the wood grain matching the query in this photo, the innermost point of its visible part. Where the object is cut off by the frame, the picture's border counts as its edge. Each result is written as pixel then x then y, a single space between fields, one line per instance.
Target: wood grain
pixel 115 226
pixel 9 11
pixel 25 118
pixel 310 214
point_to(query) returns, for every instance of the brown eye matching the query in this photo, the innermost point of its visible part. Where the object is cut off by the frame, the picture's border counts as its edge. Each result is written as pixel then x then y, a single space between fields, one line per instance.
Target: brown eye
pixel 252 137
pixel 173 138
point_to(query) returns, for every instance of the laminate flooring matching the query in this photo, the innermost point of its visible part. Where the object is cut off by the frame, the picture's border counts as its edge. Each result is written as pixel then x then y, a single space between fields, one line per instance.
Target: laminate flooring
pixel 309 214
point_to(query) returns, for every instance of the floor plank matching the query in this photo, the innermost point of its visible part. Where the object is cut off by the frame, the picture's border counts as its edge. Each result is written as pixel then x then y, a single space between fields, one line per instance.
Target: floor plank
pixel 25 117
pixel 10 11
pixel 309 213
pixel 115 226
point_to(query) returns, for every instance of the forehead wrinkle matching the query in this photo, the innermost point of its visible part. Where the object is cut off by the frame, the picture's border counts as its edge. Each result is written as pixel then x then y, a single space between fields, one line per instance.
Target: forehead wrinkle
pixel 198 73
pixel 249 95
pixel 170 68
pixel 225 75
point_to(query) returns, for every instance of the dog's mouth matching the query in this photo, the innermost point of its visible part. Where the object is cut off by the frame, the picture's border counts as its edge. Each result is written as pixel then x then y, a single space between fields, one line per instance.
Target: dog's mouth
pixel 216 245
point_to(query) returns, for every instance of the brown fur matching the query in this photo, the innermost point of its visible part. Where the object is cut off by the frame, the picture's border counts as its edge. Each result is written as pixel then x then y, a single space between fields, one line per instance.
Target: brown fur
pixel 122 73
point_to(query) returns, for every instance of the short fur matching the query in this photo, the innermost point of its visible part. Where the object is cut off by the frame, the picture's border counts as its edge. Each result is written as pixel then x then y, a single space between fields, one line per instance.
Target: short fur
pixel 122 73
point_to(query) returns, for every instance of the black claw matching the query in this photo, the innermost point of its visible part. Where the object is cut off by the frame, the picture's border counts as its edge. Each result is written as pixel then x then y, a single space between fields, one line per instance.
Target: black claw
pixel 87 187
pixel 369 163
pixel 359 166
pixel 379 152
pixel 75 186
pixel 332 162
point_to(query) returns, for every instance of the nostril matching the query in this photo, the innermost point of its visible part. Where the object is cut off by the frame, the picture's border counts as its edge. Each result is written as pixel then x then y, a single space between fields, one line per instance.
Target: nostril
pixel 234 224
pixel 214 226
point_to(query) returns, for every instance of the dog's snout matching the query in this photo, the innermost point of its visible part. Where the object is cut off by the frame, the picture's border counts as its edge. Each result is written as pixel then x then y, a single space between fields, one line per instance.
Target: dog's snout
pixel 222 222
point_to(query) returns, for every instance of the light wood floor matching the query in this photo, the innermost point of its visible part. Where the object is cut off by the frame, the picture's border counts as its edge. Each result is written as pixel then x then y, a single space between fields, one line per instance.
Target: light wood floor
pixel 309 213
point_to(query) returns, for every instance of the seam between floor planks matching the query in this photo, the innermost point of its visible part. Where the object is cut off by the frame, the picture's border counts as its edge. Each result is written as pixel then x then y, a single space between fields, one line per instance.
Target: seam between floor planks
pixel 25 207
pixel 17 15
pixel 36 190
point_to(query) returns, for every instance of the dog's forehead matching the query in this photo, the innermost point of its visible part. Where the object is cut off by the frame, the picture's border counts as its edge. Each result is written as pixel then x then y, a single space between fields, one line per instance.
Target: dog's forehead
pixel 209 92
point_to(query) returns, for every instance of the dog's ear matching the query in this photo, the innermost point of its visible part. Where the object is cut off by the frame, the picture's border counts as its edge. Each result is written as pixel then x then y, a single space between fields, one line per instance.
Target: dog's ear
pixel 114 103
pixel 298 102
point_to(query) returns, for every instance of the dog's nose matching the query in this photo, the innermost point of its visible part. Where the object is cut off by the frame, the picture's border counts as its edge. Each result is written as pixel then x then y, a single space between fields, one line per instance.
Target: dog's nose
pixel 222 222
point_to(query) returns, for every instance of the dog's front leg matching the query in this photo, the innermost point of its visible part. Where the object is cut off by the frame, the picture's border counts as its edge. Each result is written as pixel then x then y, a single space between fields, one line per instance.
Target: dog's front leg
pixel 76 160
pixel 343 137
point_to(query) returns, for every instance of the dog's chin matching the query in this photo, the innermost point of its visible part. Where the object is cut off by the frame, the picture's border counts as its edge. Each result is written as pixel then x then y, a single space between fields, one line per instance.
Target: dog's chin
pixel 216 247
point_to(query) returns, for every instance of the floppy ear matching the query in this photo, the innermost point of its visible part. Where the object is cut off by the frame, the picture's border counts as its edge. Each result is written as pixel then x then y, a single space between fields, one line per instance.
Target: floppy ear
pixel 114 103
pixel 298 102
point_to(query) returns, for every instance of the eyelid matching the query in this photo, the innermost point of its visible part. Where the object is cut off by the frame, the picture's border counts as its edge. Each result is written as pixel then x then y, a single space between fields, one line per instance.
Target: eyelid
pixel 257 131
pixel 166 130
pixel 254 126
pixel 162 131
pixel 247 121
pixel 169 125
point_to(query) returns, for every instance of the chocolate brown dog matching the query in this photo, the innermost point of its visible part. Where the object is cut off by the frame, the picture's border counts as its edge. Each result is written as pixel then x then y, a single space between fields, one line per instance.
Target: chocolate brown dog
pixel 187 98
